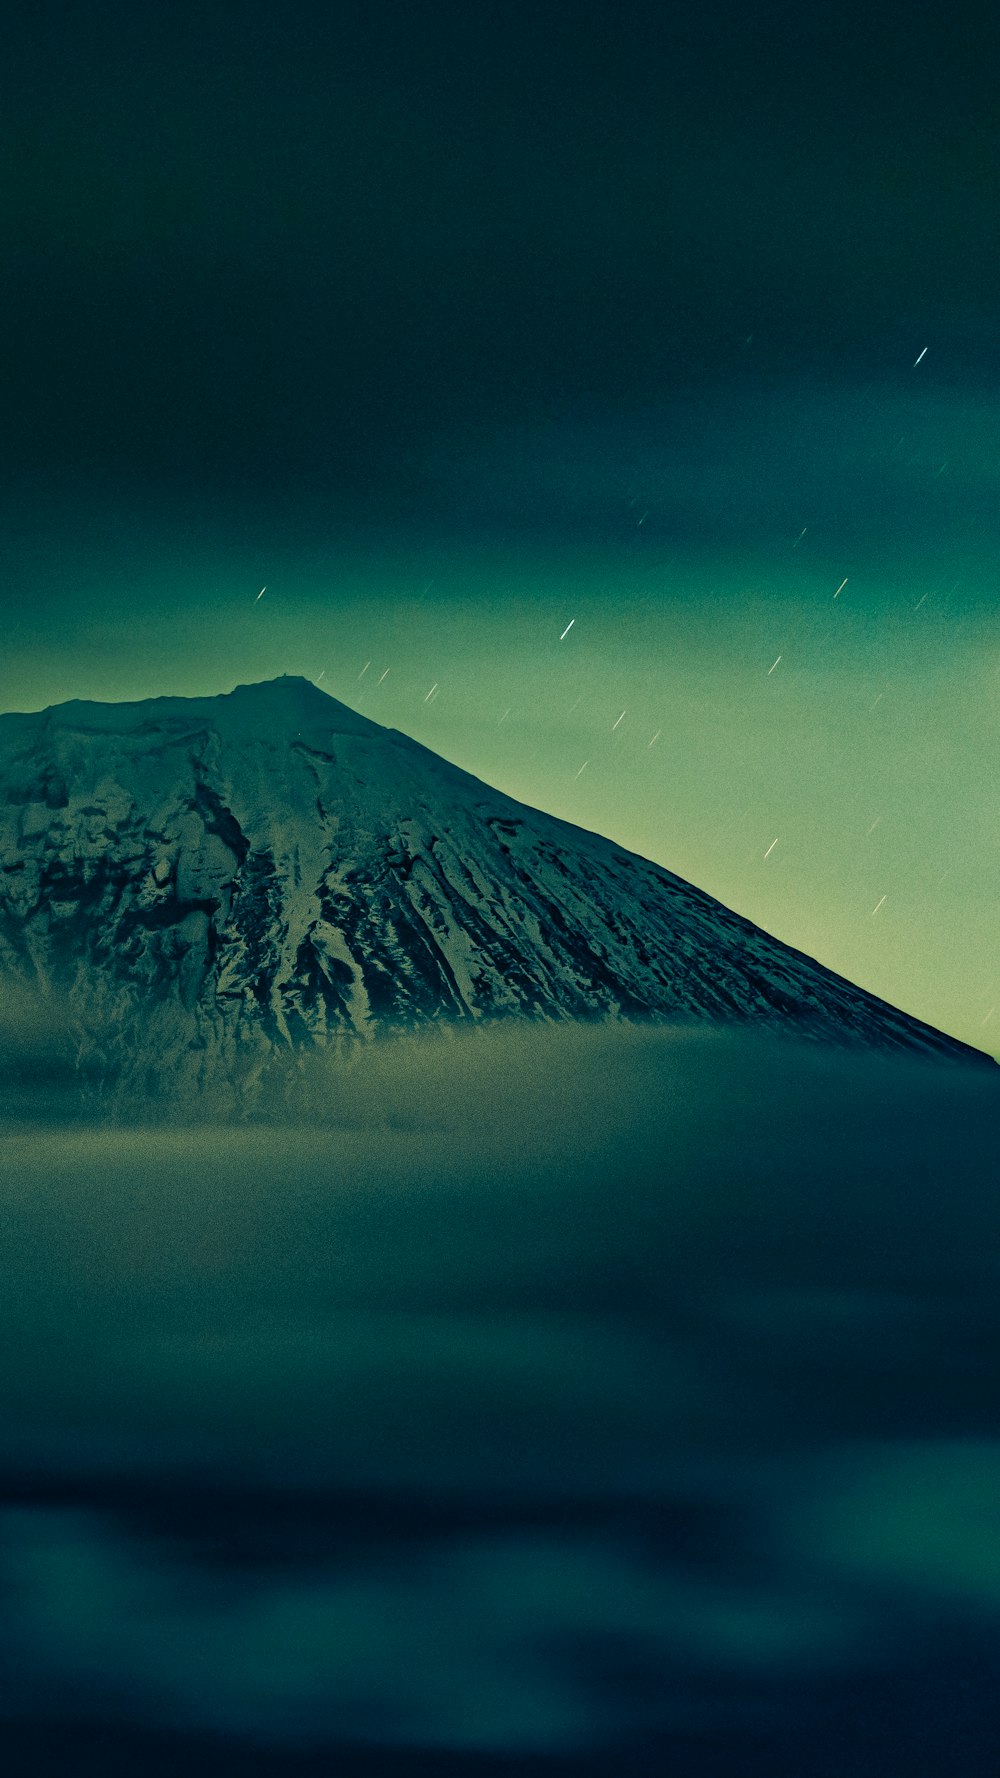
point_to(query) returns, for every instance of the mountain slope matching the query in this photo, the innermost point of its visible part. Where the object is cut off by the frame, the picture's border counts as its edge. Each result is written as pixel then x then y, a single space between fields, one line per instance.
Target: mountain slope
pixel 212 880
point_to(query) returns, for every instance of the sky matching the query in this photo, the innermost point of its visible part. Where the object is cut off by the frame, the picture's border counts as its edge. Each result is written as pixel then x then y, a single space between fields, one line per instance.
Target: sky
pixel 454 326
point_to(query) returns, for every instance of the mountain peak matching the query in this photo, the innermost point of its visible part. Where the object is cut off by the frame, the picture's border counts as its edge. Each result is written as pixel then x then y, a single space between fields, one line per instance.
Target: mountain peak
pixel 296 695
pixel 290 701
pixel 283 684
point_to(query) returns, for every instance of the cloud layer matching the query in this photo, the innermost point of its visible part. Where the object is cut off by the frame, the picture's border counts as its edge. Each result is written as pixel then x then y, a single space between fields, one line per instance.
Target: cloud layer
pixel 545 1392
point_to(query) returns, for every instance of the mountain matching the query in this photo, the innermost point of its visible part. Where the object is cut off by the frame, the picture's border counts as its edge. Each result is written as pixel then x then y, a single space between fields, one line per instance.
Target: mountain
pixel 211 881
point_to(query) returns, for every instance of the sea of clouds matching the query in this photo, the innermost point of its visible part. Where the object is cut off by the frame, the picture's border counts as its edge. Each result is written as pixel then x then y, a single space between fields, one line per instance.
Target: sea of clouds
pixel 551 1399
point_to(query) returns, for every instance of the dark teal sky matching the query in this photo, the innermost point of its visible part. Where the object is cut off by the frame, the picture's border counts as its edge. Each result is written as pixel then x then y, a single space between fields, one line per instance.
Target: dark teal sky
pixel 450 324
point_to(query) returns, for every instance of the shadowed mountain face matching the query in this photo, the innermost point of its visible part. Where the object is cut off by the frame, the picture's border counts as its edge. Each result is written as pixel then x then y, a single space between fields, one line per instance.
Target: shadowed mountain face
pixel 214 881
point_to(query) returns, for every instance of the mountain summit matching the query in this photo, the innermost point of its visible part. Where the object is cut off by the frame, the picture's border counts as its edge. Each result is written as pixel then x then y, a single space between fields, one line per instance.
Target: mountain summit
pixel 213 880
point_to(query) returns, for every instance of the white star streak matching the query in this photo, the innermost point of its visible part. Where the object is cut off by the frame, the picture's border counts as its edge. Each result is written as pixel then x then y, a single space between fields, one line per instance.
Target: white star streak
pixel 621 718
pixel 841 587
pixel 916 361
pixel 770 670
pixel 566 631
pixel 878 905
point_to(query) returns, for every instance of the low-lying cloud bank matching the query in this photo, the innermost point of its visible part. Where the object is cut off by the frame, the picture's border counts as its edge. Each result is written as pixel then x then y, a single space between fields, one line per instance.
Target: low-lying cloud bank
pixel 545 1391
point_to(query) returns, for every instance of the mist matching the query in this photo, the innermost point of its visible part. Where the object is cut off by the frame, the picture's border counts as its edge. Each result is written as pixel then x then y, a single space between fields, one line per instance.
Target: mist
pixel 560 1400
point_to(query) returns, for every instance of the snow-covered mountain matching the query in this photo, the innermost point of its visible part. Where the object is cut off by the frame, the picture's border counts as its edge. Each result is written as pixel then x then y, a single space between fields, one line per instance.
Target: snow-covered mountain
pixel 212 880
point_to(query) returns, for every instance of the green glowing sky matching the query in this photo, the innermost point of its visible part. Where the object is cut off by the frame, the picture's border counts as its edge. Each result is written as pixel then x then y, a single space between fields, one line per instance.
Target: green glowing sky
pixel 452 329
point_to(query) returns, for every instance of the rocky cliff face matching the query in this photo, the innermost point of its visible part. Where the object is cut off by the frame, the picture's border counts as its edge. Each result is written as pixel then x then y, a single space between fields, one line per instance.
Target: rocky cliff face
pixel 212 881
